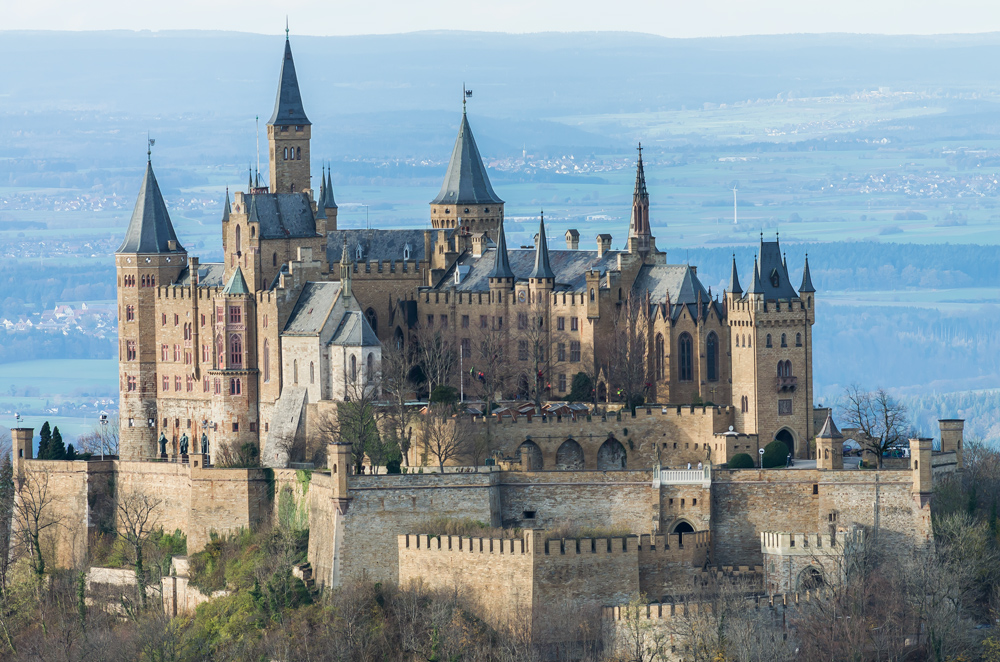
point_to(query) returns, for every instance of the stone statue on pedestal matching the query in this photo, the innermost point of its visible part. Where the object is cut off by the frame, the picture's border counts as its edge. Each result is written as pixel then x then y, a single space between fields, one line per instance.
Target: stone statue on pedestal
pixel 163 443
pixel 204 443
pixel 184 444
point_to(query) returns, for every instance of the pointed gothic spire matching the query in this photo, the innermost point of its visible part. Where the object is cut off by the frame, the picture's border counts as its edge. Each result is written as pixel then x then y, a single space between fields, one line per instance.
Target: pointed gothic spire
pixel 330 202
pixel 807 281
pixel 734 280
pixel 756 287
pixel 640 176
pixel 321 200
pixel 542 267
pixel 150 229
pixel 639 223
pixel 829 430
pixel 237 284
pixel 227 209
pixel 501 262
pixel 466 181
pixel 288 103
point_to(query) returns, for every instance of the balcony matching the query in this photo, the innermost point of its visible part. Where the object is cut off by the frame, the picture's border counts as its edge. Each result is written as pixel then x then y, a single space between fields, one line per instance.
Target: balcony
pixel 785 383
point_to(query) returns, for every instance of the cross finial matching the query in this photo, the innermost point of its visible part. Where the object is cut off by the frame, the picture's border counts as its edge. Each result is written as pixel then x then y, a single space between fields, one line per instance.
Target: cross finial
pixel 149 147
pixel 286 27
pixel 640 150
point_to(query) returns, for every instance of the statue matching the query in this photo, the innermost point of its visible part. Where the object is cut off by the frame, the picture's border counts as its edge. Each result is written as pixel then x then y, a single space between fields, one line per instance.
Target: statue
pixel 204 443
pixel 163 444
pixel 184 444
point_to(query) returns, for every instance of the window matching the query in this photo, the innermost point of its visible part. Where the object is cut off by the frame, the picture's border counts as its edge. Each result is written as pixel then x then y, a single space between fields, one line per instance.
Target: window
pixel 354 368
pixel 295 371
pixel 500 321
pixel 166 383
pixel 372 319
pixel 784 342
pixel 219 315
pixel 574 324
pixel 560 324
pixel 482 322
pixel 574 351
pixel 236 426
pixel 465 321
pixel 522 350
pixel 286 153
pixel 591 294
pixel 187 331
pixel 712 357
pixel 685 365
pixel 177 383
pixel 659 355
pixel 767 340
pixel 264 323
pixel 312 372
pixel 204 353
pixel 298 150
pixel 130 350
pixel 267 362
pixel 164 352
pixel 177 319
pixel 218 386
pixel 204 384
pixel 163 319
pixel 187 357
pixel 238 241
pixel 235 314
pixel 129 314
pixel 370 366
pixel 561 351
pixel 784 368
pixel 235 386
pixel 189 384
pixel 522 320
pixel 744 404
pixel 562 383
pixel 177 353
pixel 235 350
pixel 785 407
pixel 430 321
pixel 130 381
pixel 798 340
pixel 466 348
pixel 274 259
pixel 444 321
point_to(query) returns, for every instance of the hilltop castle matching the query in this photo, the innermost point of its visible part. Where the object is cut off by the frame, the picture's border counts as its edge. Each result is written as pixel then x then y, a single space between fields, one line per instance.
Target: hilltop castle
pixel 299 309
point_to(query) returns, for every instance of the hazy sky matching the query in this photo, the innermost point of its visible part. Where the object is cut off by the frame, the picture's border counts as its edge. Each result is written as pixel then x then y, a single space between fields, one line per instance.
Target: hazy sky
pixel 672 18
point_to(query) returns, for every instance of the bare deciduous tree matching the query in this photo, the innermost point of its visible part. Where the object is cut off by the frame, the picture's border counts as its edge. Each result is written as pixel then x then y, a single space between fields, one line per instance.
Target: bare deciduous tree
pixel 137 518
pixel 445 435
pixel 878 417
pixel 437 357
pixel 103 439
pixel 533 348
pixel 491 372
pixel 627 369
pixel 398 362
pixel 35 513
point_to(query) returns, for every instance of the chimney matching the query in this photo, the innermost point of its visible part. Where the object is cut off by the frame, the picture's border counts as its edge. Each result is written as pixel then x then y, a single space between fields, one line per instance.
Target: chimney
pixel 603 244
pixel 479 244
pixel 193 269
pixel 572 240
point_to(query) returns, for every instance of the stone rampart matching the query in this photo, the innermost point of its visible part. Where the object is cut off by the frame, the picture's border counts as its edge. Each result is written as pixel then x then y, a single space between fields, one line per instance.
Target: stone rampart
pixel 668 562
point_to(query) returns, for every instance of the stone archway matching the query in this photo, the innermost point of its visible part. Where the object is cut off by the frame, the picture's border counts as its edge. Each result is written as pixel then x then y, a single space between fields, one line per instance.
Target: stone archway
pixel 787 437
pixel 569 456
pixel 611 455
pixel 810 579
pixel 534 454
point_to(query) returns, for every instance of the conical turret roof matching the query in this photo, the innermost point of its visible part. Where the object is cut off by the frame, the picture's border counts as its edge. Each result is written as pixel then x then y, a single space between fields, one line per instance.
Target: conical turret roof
pixel 288 104
pixel 756 287
pixel 150 229
pixel 237 284
pixel 807 281
pixel 734 280
pixel 227 209
pixel 829 430
pixel 466 182
pixel 543 269
pixel 501 262
pixel 330 202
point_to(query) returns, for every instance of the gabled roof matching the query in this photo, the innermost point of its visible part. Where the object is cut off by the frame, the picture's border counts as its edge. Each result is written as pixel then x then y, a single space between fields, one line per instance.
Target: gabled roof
pixel 210 274
pixel 829 430
pixel 676 281
pixel 734 280
pixel 150 229
pixel 807 281
pixel 282 215
pixel 466 182
pixel 377 245
pixel 773 274
pixel 542 267
pixel 501 260
pixel 313 307
pixel 288 103
pixel 354 331
pixel 237 284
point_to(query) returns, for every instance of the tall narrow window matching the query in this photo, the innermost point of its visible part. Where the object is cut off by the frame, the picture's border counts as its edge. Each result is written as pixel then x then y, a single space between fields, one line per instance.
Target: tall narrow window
pixel 767 340
pixel 220 352
pixel 312 372
pixel 659 349
pixel 267 362
pixel 274 259
pixel 685 363
pixel 371 366
pixel 712 357
pixel 295 371
pixel 354 368
pixel 372 319
pixel 784 341
pixel 238 250
pixel 235 351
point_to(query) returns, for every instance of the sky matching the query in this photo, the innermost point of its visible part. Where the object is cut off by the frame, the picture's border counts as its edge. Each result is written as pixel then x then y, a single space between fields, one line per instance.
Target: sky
pixel 669 18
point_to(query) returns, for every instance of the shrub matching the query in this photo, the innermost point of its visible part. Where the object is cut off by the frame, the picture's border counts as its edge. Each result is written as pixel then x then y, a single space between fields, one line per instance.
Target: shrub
pixel 775 454
pixel 446 395
pixel 582 389
pixel 741 461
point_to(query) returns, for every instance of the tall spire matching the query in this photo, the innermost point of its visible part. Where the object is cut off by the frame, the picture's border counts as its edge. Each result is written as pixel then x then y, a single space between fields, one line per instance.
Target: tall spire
pixel 321 200
pixel 501 263
pixel 466 181
pixel 150 229
pixel 542 267
pixel 227 209
pixel 330 202
pixel 807 281
pixel 639 232
pixel 734 280
pixel 288 103
pixel 756 287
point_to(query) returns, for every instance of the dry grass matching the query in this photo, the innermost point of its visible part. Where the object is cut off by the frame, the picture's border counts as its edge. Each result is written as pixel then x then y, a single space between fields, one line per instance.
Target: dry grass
pixel 570 530
pixel 466 528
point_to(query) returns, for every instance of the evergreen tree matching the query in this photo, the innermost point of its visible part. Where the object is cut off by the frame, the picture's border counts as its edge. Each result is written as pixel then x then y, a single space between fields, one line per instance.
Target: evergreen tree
pixel 44 441
pixel 57 450
pixel 70 452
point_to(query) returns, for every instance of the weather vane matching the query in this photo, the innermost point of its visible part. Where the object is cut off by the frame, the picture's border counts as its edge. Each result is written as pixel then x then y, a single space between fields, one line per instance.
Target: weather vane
pixel 149 146
pixel 466 94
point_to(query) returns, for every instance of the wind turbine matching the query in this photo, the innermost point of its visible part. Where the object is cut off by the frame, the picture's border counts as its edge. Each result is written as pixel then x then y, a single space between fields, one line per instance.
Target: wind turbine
pixel 735 218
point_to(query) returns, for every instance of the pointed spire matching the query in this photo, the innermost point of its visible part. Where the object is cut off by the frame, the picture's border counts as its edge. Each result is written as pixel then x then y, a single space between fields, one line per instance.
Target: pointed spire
pixel 756 287
pixel 734 280
pixel 501 262
pixel 321 200
pixel 346 271
pixel 542 267
pixel 150 229
pixel 330 202
pixel 466 181
pixel 784 261
pixel 288 103
pixel 237 284
pixel 829 430
pixel 249 179
pixel 807 281
pixel 640 176
pixel 227 209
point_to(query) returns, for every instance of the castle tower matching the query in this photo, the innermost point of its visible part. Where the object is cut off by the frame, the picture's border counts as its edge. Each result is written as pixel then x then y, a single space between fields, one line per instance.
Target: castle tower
pixel 501 277
pixel 234 373
pixel 150 256
pixel 771 346
pixel 829 446
pixel 951 438
pixel 541 282
pixel 22 441
pixel 288 133
pixel 466 199
pixel 920 469
pixel 329 204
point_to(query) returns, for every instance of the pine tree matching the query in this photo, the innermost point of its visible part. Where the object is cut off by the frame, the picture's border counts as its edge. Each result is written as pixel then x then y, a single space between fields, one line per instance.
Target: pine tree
pixel 44 441
pixel 70 452
pixel 57 450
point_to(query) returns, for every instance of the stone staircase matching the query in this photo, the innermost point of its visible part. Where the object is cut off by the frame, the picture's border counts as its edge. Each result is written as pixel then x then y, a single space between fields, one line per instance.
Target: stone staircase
pixel 304 572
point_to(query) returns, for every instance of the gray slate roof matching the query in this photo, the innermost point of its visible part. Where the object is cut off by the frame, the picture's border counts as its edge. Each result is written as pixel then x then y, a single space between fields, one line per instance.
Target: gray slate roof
pixel 501 258
pixel 734 280
pixel 237 284
pixel 380 245
pixel 328 201
pixel 150 229
pixel 570 268
pixel 772 268
pixel 466 182
pixel 282 215
pixel 210 274
pixel 288 103
pixel 679 280
pixel 312 309
pixel 354 331
pixel 807 281
pixel 542 267
pixel 830 430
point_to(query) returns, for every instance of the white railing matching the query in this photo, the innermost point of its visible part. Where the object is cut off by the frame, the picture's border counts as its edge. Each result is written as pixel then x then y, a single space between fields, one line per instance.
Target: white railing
pixel 701 476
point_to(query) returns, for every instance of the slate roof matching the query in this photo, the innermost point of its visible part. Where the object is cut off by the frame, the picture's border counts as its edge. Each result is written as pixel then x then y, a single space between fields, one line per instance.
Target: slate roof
pixel 237 284
pixel 679 280
pixel 772 268
pixel 734 280
pixel 542 267
pixel 466 182
pixel 569 267
pixel 829 430
pixel 282 215
pixel 288 103
pixel 807 281
pixel 210 274
pixel 501 258
pixel 377 245
pixel 312 309
pixel 354 331
pixel 329 201
pixel 150 229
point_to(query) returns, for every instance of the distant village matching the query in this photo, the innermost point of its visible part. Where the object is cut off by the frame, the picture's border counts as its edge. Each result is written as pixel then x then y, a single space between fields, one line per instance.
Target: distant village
pixel 96 320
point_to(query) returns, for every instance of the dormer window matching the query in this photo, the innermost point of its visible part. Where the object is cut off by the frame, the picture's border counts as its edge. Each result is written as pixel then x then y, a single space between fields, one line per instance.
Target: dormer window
pixel 486 210
pixel 775 280
pixel 406 252
pixel 447 211
pixel 359 252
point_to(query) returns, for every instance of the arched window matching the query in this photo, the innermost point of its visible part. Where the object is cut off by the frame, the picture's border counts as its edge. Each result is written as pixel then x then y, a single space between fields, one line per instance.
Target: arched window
pixel 591 294
pixel 286 153
pixel 235 350
pixel 370 367
pixel 784 340
pixel 749 341
pixel 299 153
pixel 809 302
pixel 399 338
pixel 295 371
pixel 354 368
pixel 267 362
pixel 220 352
pixel 312 372
pixel 659 356
pixel 798 340
pixel 372 319
pixel 253 232
pixel 712 357
pixel 274 259
pixel 238 239
pixel 685 368
pixel 767 340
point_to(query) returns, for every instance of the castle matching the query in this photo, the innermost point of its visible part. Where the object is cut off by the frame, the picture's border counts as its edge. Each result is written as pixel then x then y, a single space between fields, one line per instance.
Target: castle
pixel 254 349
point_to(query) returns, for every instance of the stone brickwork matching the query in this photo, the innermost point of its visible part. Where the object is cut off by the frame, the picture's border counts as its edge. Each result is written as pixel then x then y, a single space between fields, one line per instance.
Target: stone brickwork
pixel 669 564
pixel 797 562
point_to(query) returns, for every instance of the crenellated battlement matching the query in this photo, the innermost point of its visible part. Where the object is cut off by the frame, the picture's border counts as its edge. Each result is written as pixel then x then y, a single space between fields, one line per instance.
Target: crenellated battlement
pixel 790 544
pixel 666 543
pixel 669 411
pixel 376 268
pixel 588 546
pixel 466 545
pixel 669 610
